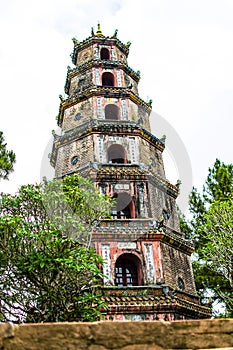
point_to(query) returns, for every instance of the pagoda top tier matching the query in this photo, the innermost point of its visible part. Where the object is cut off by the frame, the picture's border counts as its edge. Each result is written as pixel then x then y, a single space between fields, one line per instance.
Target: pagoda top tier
pixel 99 38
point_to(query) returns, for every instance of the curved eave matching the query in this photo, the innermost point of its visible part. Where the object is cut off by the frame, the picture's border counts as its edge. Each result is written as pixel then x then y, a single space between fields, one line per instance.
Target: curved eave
pixel 99 63
pixel 79 46
pixel 169 237
pixel 164 235
pixel 151 299
pixel 138 229
pixel 131 305
pixel 93 90
pixel 108 127
pixel 101 127
pixel 167 186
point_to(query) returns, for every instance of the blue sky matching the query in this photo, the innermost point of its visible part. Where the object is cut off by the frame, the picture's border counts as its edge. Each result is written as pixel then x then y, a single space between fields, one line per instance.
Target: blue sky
pixel 184 50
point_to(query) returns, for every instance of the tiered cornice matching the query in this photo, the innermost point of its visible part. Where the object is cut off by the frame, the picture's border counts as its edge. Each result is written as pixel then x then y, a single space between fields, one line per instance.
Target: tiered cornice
pixel 132 171
pixel 109 91
pixel 72 72
pixel 142 230
pixel 109 128
pixel 153 299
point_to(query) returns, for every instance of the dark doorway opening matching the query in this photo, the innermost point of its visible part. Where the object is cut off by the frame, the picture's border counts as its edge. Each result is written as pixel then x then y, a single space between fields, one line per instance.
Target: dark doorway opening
pixel 104 54
pixel 124 208
pixel 107 79
pixel 117 154
pixel 127 270
pixel 112 112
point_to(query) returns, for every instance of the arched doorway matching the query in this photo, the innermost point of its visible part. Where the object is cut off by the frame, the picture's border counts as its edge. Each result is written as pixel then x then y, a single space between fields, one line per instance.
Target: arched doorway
pixel 124 208
pixel 107 79
pixel 112 112
pixel 104 54
pixel 128 271
pixel 117 154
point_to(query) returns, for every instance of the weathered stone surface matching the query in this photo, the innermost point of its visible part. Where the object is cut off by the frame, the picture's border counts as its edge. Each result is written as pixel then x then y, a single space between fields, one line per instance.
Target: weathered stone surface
pixel 6 331
pixel 157 335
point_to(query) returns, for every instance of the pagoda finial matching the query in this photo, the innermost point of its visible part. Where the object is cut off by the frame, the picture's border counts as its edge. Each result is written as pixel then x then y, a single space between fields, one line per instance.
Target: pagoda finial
pixel 99 32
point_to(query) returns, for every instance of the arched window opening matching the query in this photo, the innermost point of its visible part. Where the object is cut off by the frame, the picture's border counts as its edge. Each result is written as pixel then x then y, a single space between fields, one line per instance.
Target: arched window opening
pixel 111 112
pixel 107 79
pixel 124 207
pixel 128 271
pixel 117 154
pixel 181 283
pixel 104 54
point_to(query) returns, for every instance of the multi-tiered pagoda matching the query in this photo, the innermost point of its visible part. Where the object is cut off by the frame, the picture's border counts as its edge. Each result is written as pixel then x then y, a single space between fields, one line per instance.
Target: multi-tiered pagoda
pixel 106 136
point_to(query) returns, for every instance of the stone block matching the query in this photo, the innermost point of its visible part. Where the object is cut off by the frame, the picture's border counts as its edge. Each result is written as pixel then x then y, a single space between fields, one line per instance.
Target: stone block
pixel 156 335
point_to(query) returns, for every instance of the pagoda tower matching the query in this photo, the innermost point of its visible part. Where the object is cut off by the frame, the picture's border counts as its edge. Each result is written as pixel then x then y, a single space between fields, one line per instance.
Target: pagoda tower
pixel 106 136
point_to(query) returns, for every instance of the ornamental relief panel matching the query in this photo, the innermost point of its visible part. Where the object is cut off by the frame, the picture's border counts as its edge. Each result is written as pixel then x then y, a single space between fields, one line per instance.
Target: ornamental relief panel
pixel 77 114
pixel 80 82
pixel 84 55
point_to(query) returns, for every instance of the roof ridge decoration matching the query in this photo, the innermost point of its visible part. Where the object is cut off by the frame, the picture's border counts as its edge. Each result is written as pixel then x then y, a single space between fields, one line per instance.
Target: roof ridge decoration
pixel 98 37
pixel 99 32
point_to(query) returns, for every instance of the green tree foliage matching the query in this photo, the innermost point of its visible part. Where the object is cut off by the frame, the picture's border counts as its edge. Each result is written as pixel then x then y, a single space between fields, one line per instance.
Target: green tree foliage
pixel 208 216
pixel 218 250
pixel 49 271
pixel 7 159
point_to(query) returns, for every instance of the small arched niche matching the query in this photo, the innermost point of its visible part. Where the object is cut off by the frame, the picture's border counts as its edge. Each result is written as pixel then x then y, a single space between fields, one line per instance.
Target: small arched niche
pixel 104 54
pixel 107 79
pixel 117 154
pixel 128 271
pixel 112 112
pixel 124 206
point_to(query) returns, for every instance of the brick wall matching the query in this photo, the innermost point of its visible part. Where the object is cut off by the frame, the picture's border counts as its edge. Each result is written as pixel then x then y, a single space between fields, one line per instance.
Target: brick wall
pixel 84 55
pixel 82 148
pixel 177 265
pixel 152 157
pixel 77 114
pixel 79 82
